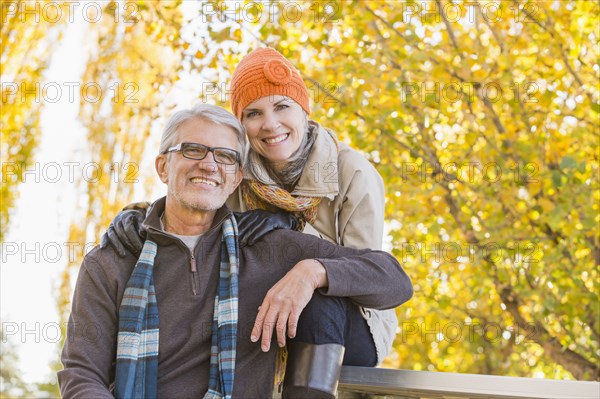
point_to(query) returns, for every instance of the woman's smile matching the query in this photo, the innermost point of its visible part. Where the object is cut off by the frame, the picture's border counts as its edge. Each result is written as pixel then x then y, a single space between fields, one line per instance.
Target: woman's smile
pixel 276 126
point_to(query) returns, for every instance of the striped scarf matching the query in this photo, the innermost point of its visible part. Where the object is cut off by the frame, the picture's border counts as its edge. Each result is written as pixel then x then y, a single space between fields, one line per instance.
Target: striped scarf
pixel 260 196
pixel 137 345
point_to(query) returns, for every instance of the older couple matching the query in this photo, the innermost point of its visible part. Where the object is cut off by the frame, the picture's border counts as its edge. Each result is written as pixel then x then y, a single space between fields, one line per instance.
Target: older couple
pixel 196 314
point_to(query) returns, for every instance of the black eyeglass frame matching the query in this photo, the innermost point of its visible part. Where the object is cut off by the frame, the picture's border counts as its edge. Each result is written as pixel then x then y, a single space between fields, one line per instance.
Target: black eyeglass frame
pixel 181 148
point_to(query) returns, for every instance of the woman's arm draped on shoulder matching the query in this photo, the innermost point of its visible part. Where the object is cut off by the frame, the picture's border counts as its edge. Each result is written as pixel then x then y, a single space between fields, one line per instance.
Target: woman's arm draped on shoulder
pixel 360 219
pixel 90 347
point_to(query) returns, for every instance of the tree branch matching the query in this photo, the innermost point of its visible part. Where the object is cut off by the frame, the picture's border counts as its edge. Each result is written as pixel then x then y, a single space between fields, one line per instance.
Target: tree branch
pixel 448 28
pixel 579 366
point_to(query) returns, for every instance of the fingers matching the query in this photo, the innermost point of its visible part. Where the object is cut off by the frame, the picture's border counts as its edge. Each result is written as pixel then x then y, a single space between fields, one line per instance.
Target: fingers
pixel 245 234
pixel 128 231
pixel 122 236
pixel 258 323
pixel 139 206
pixel 254 231
pixel 135 236
pixel 283 320
pixel 281 328
pixel 243 231
pixel 257 232
pixel 281 309
pixel 294 222
pixel 267 329
pixel 293 322
pixel 104 240
pixel 113 240
pixel 268 318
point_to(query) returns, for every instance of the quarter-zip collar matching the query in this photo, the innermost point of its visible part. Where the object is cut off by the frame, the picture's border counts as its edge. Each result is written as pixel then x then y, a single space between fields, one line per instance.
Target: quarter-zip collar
pixel 320 175
pixel 152 224
pixel 153 228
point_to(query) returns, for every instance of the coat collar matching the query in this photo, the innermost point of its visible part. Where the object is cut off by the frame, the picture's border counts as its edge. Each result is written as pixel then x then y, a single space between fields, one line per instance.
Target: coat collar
pixel 152 221
pixel 320 175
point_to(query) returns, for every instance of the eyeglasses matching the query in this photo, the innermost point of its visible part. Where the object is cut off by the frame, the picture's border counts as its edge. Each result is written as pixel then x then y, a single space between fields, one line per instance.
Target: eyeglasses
pixel 196 151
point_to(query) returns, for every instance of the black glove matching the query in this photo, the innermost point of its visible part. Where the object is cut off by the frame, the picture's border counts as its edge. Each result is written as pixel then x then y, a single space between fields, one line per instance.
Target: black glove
pixel 125 233
pixel 253 225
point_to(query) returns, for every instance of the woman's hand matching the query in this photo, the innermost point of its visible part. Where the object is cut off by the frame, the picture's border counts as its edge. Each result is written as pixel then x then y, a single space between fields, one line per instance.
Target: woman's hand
pixel 253 225
pixel 125 233
pixel 285 301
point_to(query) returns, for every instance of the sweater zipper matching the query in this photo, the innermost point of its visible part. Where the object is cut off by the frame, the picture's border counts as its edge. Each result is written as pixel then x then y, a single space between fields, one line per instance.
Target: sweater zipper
pixel 193 270
pixel 154 230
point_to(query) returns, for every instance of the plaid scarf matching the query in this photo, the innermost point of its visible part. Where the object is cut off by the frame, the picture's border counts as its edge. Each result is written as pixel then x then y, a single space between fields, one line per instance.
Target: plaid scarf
pixel 262 196
pixel 137 346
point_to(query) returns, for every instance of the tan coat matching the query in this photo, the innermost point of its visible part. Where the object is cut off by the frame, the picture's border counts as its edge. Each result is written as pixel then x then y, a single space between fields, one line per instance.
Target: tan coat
pixel 350 214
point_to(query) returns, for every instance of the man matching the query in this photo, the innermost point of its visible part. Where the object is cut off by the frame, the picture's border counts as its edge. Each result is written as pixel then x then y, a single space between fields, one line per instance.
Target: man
pixel 196 315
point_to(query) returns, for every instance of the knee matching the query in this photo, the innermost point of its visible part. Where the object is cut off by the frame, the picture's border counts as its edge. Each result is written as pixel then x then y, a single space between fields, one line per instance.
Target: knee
pixel 321 306
pixel 322 321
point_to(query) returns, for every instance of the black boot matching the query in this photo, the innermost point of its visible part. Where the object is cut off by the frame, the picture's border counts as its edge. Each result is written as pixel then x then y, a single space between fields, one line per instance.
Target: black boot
pixel 312 371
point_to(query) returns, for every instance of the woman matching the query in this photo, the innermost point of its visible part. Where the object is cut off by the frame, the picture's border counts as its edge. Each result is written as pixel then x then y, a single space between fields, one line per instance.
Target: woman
pixel 300 157
pixel 298 166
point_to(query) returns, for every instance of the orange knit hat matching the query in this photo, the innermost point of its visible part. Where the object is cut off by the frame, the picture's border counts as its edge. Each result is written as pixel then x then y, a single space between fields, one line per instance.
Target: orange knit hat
pixel 264 72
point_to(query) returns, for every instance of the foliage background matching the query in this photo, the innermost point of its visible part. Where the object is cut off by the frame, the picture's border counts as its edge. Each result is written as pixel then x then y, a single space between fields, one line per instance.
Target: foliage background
pixel 482 117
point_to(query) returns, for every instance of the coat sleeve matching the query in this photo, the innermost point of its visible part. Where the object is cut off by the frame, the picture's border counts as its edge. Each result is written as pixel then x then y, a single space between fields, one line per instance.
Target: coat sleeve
pixel 360 218
pixel 90 347
pixel 373 279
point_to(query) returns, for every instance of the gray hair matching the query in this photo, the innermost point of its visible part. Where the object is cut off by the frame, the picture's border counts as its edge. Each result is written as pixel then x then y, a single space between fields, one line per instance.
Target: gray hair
pixel 210 113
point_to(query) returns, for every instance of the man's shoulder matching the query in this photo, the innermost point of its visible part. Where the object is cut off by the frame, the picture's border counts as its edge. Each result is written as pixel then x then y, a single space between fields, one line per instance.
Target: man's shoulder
pixel 107 262
pixel 285 240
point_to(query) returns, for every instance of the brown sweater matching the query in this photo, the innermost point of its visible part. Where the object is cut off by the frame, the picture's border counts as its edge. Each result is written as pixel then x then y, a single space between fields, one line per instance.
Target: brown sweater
pixel 185 299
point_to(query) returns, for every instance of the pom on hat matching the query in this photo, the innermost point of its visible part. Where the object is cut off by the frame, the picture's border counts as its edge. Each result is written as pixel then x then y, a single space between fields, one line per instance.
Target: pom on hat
pixel 264 72
pixel 277 72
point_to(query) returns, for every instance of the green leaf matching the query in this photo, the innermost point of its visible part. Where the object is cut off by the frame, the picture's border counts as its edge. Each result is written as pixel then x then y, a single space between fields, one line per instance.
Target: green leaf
pixel 568 163
pixel 556 178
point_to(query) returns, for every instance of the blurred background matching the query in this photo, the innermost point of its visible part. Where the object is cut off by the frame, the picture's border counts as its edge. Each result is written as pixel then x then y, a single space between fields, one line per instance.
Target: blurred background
pixel 481 116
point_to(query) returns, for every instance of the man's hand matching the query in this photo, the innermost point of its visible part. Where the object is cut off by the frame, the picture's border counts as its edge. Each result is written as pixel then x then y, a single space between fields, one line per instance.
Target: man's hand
pixel 125 233
pixel 285 301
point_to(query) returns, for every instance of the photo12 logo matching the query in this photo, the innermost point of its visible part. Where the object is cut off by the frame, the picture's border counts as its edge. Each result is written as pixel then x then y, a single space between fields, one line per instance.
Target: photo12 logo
pixel 452 332
pixel 51 332
pixel 326 93
pixel 44 252
pixel 519 252
pixel 453 92
pixel 470 172
pixel 71 172
pixel 69 11
pixel 53 92
pixel 469 11
pixel 271 11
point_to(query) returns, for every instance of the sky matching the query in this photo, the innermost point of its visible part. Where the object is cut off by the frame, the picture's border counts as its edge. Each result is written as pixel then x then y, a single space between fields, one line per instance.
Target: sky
pixel 36 248
pixel 34 252
pixel 51 197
